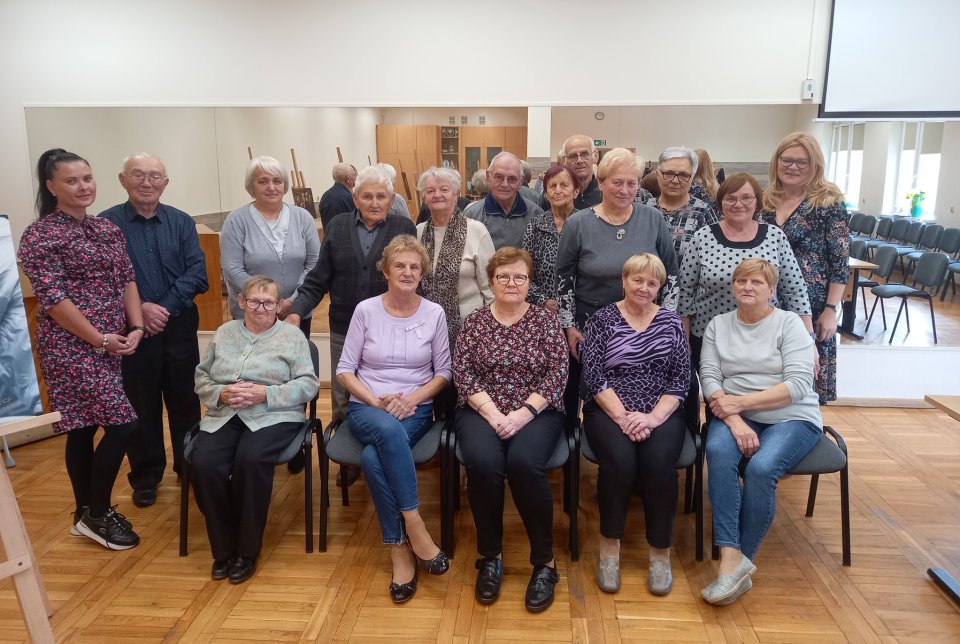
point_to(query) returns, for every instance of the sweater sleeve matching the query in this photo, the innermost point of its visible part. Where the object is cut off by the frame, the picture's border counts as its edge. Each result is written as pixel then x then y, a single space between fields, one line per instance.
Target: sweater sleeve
pixel 232 251
pixel 537 293
pixel 594 350
pixel 316 282
pixel 711 377
pixel 464 375
pixel 689 276
pixel 678 364
pixel 838 243
pixel 795 349
pixel 193 280
pixel 311 242
pixel 440 349
pixel 352 353
pixel 205 386
pixel 41 263
pixel 554 347
pixel 303 383
pixel 485 251
pixel 568 257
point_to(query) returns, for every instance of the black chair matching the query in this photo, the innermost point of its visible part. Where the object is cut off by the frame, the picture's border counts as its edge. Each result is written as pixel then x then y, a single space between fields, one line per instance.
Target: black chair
pixel 565 455
pixel 691 459
pixel 930 273
pixel 865 227
pixel 858 250
pixel 884 226
pixel 930 240
pixel 885 260
pixel 909 243
pixel 826 457
pixel 950 244
pixel 339 445
pixel 854 223
pixel 302 442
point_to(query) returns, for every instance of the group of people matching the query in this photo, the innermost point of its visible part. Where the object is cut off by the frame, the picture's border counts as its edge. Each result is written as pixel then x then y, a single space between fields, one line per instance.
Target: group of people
pixel 503 316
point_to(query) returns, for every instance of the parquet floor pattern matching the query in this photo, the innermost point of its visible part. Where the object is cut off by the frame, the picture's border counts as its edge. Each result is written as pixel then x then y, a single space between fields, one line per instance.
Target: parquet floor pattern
pixel 905 496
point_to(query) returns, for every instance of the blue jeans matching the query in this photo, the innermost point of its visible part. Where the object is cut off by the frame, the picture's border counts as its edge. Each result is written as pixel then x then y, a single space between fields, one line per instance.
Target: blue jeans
pixel 743 514
pixel 387 461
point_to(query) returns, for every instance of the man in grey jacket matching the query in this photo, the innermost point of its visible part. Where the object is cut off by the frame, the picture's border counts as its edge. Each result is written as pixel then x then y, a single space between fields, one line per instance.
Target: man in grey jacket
pixel 503 211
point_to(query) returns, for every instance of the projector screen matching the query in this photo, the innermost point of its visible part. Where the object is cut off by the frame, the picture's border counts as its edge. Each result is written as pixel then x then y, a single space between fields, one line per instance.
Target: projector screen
pixel 893 59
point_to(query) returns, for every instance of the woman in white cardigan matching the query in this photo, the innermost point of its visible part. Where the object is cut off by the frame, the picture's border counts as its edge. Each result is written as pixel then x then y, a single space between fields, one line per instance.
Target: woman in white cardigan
pixel 268 237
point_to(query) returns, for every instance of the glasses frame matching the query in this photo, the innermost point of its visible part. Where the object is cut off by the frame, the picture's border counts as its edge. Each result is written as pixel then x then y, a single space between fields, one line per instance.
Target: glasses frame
pixel 786 162
pixel 504 280
pixel 150 179
pixel 573 157
pixel 676 175
pixel 727 202
pixel 259 303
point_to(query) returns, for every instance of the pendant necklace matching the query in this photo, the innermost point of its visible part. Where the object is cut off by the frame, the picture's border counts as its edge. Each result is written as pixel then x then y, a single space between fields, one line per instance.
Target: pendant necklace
pixel 621 231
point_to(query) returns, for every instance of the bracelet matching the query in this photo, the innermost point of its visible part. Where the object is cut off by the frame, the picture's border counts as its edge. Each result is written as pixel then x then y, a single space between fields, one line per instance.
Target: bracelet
pixel 142 329
pixel 830 306
pixel 531 409
pixel 103 347
pixel 480 406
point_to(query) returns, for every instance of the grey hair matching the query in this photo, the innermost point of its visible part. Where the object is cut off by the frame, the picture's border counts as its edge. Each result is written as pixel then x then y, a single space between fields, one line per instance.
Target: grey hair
pixel 141 155
pixel 479 182
pixel 505 155
pixel 341 171
pixel 270 166
pixel 389 169
pixel 527 171
pixel 447 175
pixel 373 174
pixel 681 153
pixel 566 144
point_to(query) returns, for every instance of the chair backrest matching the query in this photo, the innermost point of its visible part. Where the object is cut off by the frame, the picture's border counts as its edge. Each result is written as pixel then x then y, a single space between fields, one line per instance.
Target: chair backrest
pixel 886 257
pixel 950 241
pixel 867 224
pixel 858 248
pixel 855 220
pixel 931 269
pixel 883 227
pixel 898 231
pixel 931 237
pixel 914 233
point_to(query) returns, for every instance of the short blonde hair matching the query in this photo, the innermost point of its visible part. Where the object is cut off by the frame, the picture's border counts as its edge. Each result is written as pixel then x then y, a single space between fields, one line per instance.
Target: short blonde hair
pixel 258 283
pixel 268 165
pixel 757 266
pixel 403 244
pixel 615 160
pixel 645 263
pixel 509 255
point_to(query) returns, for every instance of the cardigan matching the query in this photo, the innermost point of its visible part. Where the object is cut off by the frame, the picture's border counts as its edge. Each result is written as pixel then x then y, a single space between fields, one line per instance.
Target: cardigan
pixel 473 287
pixel 344 272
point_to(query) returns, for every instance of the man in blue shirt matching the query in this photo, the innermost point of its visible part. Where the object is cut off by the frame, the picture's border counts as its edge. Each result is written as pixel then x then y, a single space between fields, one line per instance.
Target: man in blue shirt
pixel 171 270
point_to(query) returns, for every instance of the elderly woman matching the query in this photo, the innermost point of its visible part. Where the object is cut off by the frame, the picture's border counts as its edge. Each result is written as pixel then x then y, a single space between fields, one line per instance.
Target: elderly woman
pixel 254 380
pixel 636 371
pixel 396 358
pixel 478 184
pixel 715 251
pixel 810 211
pixel 757 373
pixel 510 368
pixel 399 205
pixel 597 241
pixel 268 237
pixel 347 270
pixel 705 184
pixel 89 318
pixel 542 237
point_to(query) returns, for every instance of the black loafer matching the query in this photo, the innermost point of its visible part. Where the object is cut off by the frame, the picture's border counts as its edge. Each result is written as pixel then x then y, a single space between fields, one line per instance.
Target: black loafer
pixel 349 472
pixel 242 569
pixel 145 498
pixel 296 464
pixel 540 589
pixel 488 579
pixel 401 593
pixel 221 569
pixel 436 566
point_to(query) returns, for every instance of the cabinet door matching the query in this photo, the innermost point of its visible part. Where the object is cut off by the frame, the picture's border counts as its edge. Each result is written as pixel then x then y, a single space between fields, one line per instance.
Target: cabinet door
pixel 428 147
pixel 386 141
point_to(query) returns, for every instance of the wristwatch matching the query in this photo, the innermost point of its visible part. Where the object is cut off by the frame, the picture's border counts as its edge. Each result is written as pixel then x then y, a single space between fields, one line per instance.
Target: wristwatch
pixel 831 306
pixel 531 409
pixel 143 329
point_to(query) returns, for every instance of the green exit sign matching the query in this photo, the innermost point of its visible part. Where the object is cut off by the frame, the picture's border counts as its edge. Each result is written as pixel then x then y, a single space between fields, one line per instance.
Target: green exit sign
pixel 600 143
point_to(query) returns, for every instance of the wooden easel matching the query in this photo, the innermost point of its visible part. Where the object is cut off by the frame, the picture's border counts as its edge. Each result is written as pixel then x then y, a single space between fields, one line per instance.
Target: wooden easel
pixel 21 564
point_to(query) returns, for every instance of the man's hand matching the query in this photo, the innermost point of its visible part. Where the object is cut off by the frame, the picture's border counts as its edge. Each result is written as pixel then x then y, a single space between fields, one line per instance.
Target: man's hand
pixel 155 317
pixel 573 338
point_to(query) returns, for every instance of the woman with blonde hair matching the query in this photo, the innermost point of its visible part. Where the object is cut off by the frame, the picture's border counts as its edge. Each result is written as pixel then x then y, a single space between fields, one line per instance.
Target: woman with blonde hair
pixel 810 210
pixel 705 184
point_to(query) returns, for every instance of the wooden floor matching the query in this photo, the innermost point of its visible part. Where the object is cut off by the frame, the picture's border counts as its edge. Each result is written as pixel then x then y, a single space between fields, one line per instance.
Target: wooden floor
pixel 905 494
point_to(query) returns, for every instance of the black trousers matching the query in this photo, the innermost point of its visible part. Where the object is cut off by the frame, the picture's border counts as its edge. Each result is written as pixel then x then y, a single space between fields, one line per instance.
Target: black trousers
pixel 651 464
pixel 232 473
pixel 93 470
pixel 520 460
pixel 571 393
pixel 161 373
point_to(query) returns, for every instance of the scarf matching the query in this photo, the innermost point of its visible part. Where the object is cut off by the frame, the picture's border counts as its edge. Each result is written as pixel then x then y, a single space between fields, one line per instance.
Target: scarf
pixel 440 285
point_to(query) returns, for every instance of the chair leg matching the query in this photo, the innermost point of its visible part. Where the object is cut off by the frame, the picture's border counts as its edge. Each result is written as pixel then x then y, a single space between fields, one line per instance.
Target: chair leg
pixel 324 491
pixel 308 492
pixel 933 320
pixel 872 310
pixel 845 514
pixel 698 506
pixel 812 496
pixel 344 490
pixel 903 303
pixel 446 511
pixel 863 299
pixel 184 507
pixel 574 488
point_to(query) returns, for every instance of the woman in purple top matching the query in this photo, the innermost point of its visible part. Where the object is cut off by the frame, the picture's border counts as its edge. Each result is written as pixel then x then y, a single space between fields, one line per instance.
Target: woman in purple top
pixel 396 358
pixel 636 369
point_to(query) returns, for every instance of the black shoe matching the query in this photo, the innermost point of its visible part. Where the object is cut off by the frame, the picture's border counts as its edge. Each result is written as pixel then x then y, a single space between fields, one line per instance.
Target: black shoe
pixel 350 472
pixel 401 593
pixel 145 498
pixel 112 530
pixel 242 569
pixel 488 579
pixel 436 566
pixel 77 516
pixel 296 464
pixel 540 589
pixel 221 568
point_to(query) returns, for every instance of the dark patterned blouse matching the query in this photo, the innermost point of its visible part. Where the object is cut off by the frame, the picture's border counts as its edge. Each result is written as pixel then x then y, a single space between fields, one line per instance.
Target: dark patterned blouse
pixel 541 240
pixel 511 362
pixel 639 367
pixel 699 191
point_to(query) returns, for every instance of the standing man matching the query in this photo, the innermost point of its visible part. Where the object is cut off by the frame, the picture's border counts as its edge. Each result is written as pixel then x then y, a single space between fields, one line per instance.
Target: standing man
pixel 580 155
pixel 503 211
pixel 339 198
pixel 171 270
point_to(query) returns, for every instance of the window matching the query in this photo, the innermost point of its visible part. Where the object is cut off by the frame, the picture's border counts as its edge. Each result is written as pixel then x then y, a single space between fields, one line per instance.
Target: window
pixel 846 160
pixel 918 171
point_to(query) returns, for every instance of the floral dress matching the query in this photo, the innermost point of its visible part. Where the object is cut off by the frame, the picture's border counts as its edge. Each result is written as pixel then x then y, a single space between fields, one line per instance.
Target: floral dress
pixel 86 262
pixel 821 243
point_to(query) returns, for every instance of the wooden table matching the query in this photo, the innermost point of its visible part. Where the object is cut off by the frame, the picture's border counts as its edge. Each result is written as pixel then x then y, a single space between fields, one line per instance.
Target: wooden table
pixel 943 579
pixel 849 302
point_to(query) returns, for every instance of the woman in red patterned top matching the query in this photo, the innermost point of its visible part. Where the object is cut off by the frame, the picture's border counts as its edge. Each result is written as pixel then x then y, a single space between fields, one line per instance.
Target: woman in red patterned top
pixel 510 369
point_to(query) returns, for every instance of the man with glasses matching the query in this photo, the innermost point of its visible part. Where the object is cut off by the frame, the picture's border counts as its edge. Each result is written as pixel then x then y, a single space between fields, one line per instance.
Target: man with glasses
pixel 580 155
pixel 171 270
pixel 504 211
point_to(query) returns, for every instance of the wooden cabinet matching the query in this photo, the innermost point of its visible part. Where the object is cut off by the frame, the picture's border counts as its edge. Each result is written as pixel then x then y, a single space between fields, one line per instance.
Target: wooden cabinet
pixel 410 149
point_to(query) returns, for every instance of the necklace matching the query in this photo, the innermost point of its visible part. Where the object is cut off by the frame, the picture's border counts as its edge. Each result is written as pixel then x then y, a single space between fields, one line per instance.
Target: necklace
pixel 507 320
pixel 621 231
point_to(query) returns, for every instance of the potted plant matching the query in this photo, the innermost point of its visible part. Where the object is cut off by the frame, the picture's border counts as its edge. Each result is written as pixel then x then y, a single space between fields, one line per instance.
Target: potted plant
pixel 916 199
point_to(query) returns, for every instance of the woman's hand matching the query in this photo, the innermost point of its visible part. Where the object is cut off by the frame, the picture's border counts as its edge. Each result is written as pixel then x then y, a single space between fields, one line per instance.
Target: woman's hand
pixel 826 324
pixel 747 440
pixel 551 305
pixel 513 422
pixel 574 337
pixel 397 406
pixel 726 405
pixel 241 395
pixel 123 345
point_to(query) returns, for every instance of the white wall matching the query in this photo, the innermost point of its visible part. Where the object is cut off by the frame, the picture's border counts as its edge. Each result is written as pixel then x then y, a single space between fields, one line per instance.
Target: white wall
pixel 948 195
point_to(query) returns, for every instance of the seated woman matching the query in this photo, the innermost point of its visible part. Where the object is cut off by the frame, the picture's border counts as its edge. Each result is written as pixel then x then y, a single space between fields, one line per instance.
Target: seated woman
pixel 396 358
pixel 756 369
pixel 510 368
pixel 636 369
pixel 254 380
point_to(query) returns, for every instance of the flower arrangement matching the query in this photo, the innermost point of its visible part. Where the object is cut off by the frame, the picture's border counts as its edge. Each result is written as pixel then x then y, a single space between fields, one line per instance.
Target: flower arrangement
pixel 915 200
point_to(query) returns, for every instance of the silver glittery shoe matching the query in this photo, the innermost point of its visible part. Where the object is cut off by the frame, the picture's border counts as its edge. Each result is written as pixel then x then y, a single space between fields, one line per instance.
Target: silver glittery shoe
pixel 725 589
pixel 608 574
pixel 659 577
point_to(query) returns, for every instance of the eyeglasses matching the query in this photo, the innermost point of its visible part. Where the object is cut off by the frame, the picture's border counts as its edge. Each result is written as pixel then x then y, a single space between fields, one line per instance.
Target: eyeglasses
pixel 669 176
pixel 253 305
pixel 505 178
pixel 573 157
pixel 746 201
pixel 519 280
pixel 802 164
pixel 155 178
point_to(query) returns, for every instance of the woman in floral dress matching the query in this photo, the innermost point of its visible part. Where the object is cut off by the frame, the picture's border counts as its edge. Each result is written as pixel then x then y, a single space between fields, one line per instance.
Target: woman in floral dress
pixel 89 317
pixel 811 213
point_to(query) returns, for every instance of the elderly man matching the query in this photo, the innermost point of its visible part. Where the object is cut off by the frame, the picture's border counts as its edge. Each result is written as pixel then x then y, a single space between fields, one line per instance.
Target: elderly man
pixel 338 198
pixel 579 155
pixel 171 270
pixel 503 211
